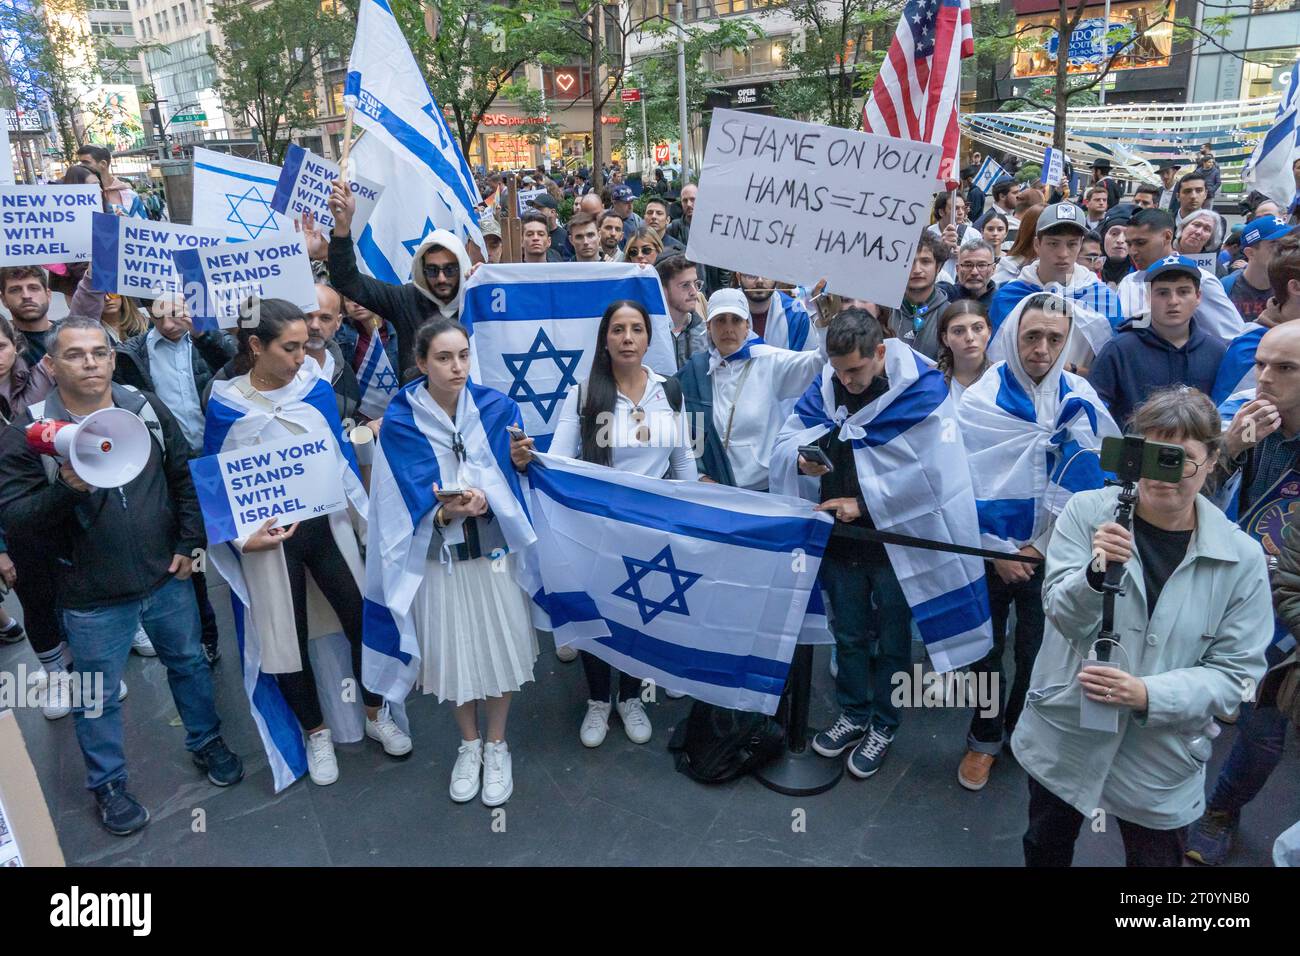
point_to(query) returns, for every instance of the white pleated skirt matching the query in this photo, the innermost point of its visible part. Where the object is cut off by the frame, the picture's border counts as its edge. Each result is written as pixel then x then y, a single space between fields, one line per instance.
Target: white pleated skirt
pixel 475 630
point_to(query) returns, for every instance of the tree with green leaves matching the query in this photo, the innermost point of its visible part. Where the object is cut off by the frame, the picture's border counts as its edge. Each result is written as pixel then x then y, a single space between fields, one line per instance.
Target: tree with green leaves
pixel 269 61
pixel 50 58
pixel 836 51
pixel 655 75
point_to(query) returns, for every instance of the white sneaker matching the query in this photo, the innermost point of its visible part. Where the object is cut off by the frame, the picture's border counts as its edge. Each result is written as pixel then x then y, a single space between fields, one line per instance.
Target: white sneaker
pixel 635 720
pixel 595 725
pixel 58 696
pixel 140 644
pixel 383 729
pixel 465 774
pixel 675 694
pixel 121 691
pixel 498 781
pixel 322 765
pixel 565 653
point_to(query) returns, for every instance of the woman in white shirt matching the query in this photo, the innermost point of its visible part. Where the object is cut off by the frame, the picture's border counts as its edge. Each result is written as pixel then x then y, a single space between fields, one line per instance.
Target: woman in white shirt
pixel 740 393
pixel 963 344
pixel 630 418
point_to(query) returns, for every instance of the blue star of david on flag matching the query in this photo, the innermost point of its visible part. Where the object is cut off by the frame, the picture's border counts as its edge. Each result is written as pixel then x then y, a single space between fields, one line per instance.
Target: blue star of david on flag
pixel 519 363
pixel 385 380
pixel 661 563
pixel 252 211
pixel 410 245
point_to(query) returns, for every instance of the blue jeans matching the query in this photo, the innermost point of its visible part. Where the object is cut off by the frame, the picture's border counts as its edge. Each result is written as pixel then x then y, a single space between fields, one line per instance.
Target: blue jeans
pixel 871 644
pixel 100 640
pixel 1255 753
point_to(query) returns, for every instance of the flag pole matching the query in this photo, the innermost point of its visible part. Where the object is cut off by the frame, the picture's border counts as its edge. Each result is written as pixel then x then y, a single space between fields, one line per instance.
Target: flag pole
pixel 347 143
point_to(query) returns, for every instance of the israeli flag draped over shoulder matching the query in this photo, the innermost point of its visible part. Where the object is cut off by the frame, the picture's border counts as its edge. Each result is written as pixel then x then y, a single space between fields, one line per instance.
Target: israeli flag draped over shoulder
pixel 911 466
pixel 392 102
pixel 1237 370
pixel 417 450
pixel 533 329
pixel 1097 309
pixel 1030 445
pixel 701 588
pixel 261 599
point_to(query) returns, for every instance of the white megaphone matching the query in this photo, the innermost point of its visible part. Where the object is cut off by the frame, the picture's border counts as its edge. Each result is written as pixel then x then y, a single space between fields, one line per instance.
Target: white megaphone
pixel 107 450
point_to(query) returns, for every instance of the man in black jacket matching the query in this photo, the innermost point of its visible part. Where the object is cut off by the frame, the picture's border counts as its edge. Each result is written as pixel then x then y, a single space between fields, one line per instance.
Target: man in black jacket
pixel 177 365
pixel 124 556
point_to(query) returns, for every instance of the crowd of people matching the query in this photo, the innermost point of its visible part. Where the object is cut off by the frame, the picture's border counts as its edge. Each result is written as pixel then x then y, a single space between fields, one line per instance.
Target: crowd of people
pixel 1038 325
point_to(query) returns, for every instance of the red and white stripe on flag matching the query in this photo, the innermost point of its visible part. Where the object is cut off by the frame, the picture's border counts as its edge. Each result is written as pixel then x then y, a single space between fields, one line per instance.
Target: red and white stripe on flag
pixel 916 93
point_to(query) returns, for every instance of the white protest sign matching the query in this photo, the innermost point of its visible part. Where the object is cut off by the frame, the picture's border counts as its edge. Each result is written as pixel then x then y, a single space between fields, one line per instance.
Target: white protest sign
pixel 218 279
pixel 43 224
pixel 799 202
pixel 1053 167
pixel 134 256
pixel 1209 261
pixel 290 479
pixel 306 181
pixel 526 197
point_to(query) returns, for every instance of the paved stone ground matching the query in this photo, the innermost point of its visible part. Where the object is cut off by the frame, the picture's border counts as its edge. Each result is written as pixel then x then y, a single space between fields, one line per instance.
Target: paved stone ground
pixel 617 805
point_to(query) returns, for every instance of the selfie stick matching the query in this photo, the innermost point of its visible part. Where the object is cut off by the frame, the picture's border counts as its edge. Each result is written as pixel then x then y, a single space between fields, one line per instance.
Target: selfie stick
pixel 1107 638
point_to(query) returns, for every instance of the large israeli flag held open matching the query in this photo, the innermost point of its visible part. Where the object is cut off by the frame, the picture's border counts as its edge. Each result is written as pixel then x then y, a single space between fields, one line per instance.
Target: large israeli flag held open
pixel 233 196
pixel 1269 167
pixel 393 104
pixel 701 588
pixel 533 329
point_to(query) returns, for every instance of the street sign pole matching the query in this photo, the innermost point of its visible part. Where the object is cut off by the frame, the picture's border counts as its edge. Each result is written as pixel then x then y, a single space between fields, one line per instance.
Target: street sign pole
pixel 645 133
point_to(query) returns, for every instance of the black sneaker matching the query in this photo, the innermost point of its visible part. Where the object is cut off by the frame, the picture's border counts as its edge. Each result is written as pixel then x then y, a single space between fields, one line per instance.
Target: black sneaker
pixel 868 756
pixel 120 812
pixel 839 737
pixel 12 634
pixel 211 652
pixel 223 768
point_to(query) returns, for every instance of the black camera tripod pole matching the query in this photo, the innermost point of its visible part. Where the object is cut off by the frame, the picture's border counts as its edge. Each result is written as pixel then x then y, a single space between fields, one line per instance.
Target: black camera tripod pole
pixel 1107 638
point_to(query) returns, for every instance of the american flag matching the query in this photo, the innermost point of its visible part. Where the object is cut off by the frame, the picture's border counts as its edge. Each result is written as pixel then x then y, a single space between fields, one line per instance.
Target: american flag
pixel 916 91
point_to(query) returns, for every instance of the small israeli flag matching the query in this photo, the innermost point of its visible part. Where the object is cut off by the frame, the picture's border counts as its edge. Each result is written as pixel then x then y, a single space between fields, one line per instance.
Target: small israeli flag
pixel 377 379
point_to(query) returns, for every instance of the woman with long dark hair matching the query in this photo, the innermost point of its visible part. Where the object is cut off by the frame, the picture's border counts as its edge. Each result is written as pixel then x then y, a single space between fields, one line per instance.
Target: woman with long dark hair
pixel 964 333
pixel 277 573
pixel 624 416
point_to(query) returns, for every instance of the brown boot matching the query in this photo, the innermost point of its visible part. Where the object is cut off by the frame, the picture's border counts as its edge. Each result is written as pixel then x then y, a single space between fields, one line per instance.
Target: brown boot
pixel 974 770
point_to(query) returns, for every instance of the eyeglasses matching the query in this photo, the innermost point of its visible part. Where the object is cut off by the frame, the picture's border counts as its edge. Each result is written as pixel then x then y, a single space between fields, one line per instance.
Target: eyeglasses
pixel 1191 466
pixel 451 271
pixel 696 284
pixel 643 251
pixel 975 266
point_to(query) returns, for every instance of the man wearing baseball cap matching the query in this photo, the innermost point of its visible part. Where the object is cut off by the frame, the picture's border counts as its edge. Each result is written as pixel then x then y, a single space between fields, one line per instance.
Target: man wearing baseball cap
pixel 1249 289
pixel 621 198
pixel 1058 239
pixel 1168 349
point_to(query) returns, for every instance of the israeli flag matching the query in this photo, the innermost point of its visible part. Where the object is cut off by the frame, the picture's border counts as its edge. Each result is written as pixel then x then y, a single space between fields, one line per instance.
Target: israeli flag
pixel 1237 370
pixel 1027 461
pixel 701 588
pixel 1269 166
pixel 788 324
pixel 418 449
pixel 912 469
pixel 533 329
pixel 414 207
pixel 233 196
pixel 377 380
pixel 990 171
pixel 392 102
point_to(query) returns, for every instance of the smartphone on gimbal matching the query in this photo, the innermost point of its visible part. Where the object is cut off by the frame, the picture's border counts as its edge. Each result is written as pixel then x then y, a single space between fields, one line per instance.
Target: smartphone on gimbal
pixel 1133 457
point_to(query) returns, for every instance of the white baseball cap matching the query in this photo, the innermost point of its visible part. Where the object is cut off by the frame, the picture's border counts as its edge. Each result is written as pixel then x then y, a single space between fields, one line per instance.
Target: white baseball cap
pixel 728 302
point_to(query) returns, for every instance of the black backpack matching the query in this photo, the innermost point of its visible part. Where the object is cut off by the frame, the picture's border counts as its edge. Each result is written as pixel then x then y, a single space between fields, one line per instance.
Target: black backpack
pixel 715 744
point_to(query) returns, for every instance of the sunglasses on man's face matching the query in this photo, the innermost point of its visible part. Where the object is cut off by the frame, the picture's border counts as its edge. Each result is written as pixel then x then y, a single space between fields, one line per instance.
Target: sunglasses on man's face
pixel 451 271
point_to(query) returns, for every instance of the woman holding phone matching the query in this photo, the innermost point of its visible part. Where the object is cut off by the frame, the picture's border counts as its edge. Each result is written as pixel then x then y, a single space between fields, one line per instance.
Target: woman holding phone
pixel 629 417
pixel 447 517
pixel 279 574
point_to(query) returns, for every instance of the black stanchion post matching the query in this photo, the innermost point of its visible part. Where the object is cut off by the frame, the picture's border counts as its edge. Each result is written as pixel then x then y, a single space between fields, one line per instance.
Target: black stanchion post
pixel 800 771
